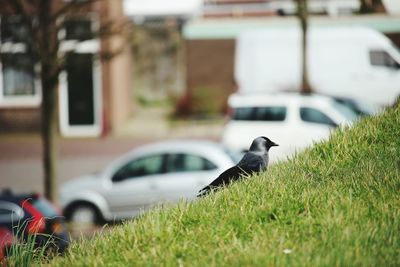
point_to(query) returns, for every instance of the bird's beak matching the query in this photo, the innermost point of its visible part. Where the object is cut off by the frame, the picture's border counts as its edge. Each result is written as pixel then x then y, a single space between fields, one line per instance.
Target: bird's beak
pixel 274 144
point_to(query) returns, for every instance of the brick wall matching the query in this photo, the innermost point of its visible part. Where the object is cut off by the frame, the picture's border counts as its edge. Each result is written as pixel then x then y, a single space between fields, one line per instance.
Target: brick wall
pixel 209 64
pixel 19 120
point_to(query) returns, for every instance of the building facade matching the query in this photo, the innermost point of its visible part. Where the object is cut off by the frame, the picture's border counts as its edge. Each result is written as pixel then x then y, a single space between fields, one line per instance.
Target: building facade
pixel 94 92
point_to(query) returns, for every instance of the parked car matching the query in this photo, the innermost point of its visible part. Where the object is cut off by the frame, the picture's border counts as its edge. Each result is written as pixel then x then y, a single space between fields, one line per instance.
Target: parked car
pixel 292 120
pixel 361 108
pixel 27 215
pixel 155 173
pixel 6 241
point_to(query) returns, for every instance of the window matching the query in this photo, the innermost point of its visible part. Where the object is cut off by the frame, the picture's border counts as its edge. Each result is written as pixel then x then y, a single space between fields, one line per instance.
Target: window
pixel 14 31
pixel 18 74
pixel 18 83
pixel 5 212
pixel 383 59
pixel 277 113
pixel 78 29
pixel 234 155
pixel 10 212
pixel 347 110
pixel 186 162
pixel 315 116
pixel 6 215
pixel 145 166
pixel 81 106
pixel 45 207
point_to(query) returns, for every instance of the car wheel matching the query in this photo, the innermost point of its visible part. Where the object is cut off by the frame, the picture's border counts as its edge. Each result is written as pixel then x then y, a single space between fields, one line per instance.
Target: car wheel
pixel 83 214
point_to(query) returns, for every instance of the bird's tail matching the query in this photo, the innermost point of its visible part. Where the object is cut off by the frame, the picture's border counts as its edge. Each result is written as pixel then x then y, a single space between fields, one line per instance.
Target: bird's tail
pixel 205 191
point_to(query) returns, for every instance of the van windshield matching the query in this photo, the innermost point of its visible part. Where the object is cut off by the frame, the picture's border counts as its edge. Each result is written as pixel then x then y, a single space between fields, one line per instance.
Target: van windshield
pixel 382 58
pixel 395 47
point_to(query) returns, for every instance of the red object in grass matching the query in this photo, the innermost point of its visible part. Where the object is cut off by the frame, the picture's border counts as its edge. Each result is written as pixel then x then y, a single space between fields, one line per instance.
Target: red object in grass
pixel 6 240
pixel 38 223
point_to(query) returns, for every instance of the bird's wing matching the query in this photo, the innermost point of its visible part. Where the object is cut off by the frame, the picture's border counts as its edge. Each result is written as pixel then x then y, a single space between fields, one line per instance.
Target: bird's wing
pixel 232 174
pixel 252 162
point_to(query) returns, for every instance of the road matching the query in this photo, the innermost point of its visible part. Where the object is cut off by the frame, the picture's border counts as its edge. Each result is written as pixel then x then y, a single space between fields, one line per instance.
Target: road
pixel 21 165
pixel 21 156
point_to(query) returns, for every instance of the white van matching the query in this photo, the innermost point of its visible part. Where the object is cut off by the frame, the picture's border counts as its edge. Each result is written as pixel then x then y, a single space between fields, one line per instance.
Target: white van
pixel 353 62
pixel 293 121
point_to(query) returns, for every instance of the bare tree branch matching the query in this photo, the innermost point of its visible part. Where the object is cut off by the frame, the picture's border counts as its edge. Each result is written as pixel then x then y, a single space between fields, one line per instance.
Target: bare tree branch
pixel 71 6
pixel 22 10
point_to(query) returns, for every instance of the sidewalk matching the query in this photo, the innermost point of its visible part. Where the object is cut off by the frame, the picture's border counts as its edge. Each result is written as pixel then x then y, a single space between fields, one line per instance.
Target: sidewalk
pixel 154 123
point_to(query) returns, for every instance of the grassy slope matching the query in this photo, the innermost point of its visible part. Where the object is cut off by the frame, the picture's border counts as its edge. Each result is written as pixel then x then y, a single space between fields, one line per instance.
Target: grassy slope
pixel 336 204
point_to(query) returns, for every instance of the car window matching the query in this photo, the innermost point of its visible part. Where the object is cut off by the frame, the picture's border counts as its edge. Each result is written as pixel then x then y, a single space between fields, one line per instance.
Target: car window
pixel 144 166
pixel 186 162
pixel 273 113
pixel 234 155
pixel 45 207
pixel 383 59
pixel 346 111
pixel 5 214
pixel 315 116
pixel 9 212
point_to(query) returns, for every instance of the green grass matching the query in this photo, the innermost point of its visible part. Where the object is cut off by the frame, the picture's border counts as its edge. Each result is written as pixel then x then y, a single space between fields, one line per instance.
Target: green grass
pixel 24 253
pixel 336 204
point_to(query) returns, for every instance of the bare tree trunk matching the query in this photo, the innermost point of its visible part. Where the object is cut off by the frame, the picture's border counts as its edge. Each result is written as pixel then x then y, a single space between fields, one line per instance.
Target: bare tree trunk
pixel 49 133
pixel 48 47
pixel 365 6
pixel 44 18
pixel 305 86
pixel 371 6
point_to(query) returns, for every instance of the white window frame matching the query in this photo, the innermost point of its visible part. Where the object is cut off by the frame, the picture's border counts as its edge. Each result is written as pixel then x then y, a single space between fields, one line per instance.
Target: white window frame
pixel 93 47
pixel 95 130
pixel 27 101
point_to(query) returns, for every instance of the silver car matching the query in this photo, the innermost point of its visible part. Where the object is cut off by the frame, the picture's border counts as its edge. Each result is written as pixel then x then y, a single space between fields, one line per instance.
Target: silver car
pixel 156 173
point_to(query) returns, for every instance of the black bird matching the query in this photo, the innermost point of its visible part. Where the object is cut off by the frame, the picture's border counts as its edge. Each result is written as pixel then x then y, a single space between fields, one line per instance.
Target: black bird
pixel 255 160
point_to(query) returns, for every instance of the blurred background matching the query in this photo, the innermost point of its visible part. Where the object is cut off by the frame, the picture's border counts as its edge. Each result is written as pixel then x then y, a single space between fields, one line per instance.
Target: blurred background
pixel 224 71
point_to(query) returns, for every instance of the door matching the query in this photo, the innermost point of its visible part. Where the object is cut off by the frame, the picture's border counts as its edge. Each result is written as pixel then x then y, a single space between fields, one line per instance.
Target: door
pixel 186 174
pixel 80 96
pixel 80 89
pixel 315 125
pixel 134 185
